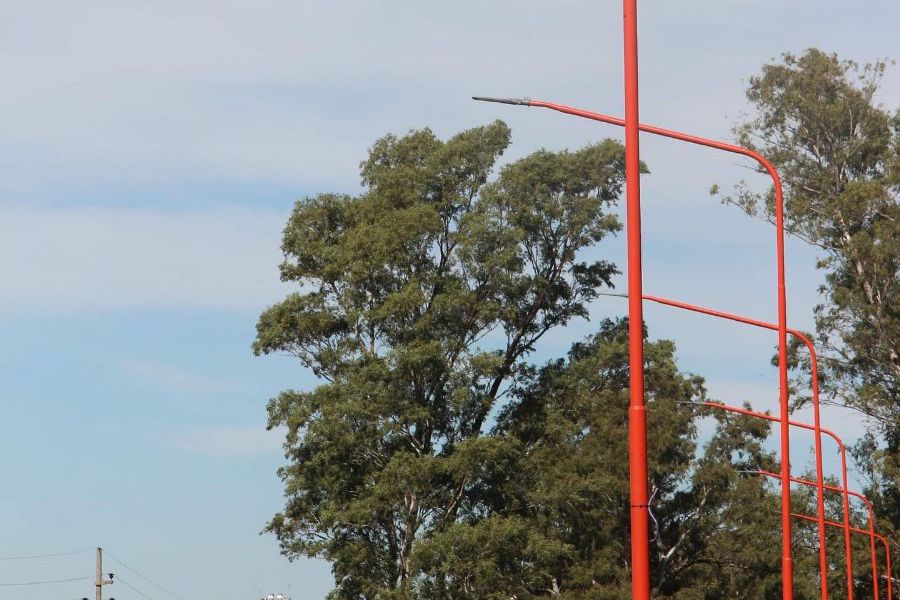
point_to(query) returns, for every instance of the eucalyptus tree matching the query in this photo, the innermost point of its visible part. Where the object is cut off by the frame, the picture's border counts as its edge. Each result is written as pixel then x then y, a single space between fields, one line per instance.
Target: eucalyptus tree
pixel 820 120
pixel 416 304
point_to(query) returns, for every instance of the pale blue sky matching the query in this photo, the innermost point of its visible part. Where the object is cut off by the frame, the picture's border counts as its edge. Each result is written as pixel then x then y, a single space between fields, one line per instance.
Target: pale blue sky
pixel 150 154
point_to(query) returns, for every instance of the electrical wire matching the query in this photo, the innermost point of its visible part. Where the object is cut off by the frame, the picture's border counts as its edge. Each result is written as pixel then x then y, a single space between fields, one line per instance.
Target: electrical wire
pixel 134 589
pixel 44 582
pixel 35 556
pixel 144 577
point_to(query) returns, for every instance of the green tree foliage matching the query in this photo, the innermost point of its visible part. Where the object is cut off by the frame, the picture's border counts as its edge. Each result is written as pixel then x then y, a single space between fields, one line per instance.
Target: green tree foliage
pixel 401 288
pixel 838 151
pixel 558 517
pixel 433 461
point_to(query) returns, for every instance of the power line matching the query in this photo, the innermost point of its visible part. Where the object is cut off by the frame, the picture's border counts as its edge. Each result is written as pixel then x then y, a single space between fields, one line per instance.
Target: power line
pixel 128 585
pixel 34 556
pixel 145 578
pixel 44 582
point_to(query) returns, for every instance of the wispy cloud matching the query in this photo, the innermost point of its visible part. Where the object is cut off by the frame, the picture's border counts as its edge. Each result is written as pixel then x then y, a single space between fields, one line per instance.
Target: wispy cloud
pixel 182 379
pixel 75 259
pixel 295 92
pixel 228 441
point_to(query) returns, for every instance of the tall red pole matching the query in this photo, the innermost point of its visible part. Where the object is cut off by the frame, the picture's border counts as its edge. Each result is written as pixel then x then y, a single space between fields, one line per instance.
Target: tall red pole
pixel 787 562
pixel 637 416
pixel 890 569
pixel 820 481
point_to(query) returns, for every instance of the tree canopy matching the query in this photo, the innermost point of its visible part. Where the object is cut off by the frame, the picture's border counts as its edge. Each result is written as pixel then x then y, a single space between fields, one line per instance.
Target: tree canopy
pixel 817 117
pixel 419 299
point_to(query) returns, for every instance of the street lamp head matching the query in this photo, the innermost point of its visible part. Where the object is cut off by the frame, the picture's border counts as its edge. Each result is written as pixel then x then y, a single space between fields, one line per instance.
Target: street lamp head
pixel 516 101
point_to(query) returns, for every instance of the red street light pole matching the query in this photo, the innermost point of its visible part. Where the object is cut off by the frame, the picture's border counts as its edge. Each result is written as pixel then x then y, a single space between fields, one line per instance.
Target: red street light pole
pixel 639 445
pixel 637 411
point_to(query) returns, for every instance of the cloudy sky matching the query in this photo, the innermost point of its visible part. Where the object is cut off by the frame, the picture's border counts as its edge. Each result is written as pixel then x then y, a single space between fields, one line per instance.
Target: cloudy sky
pixel 150 153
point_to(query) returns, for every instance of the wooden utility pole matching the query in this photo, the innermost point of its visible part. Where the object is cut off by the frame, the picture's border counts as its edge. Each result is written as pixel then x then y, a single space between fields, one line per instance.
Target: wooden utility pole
pixel 99 581
pixel 99 578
